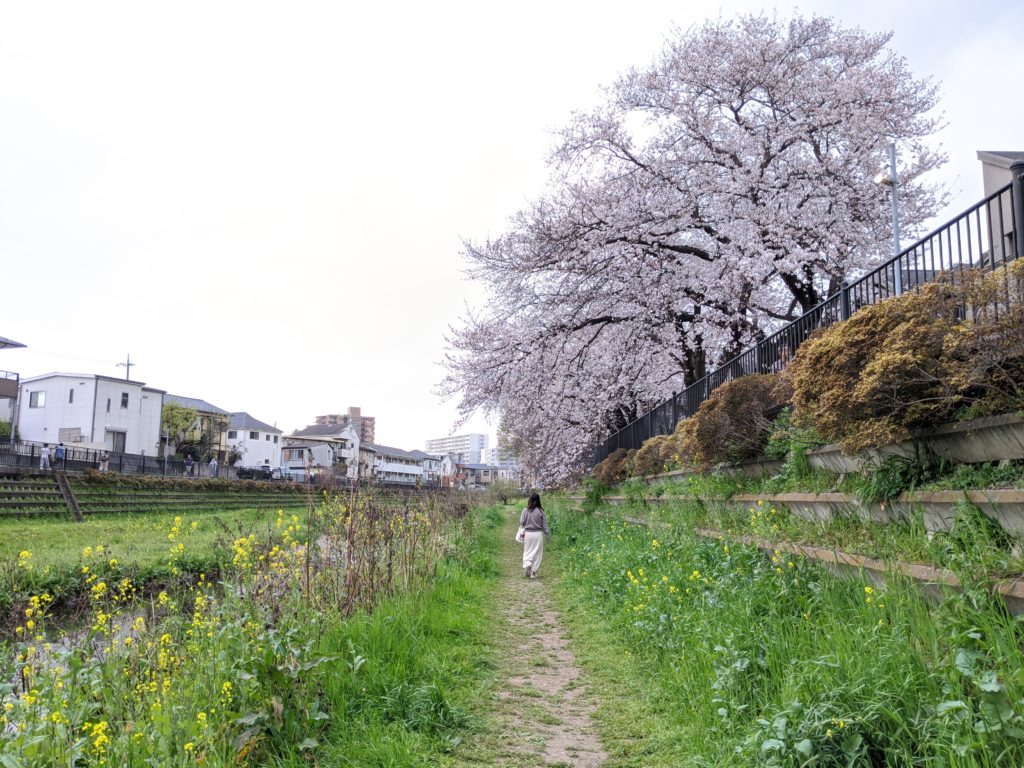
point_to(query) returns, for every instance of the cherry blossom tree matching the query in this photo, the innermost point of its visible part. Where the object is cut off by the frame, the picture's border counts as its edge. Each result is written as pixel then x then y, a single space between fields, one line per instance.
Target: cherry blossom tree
pixel 711 197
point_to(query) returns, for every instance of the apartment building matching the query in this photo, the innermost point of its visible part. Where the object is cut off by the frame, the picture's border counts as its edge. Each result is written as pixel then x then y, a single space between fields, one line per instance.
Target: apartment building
pixel 466 449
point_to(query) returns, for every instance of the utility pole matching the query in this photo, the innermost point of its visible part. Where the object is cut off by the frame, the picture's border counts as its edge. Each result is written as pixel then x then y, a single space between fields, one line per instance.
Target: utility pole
pixel 127 365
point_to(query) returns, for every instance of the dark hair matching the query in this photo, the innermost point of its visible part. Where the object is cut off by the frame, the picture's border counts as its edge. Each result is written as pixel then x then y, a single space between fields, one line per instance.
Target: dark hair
pixel 534 502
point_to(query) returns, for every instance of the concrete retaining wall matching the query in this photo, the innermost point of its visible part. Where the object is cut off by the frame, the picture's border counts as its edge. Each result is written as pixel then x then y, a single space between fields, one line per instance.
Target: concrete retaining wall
pixel 755 468
pixel 994 438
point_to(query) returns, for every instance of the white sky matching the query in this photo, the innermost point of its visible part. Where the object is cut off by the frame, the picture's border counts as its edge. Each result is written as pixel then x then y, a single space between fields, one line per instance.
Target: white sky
pixel 264 202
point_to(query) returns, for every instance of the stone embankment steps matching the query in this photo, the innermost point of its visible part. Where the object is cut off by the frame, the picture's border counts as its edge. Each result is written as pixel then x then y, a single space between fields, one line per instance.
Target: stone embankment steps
pixel 68 495
pixel 30 495
pixel 938 508
pixel 930 580
pixel 40 493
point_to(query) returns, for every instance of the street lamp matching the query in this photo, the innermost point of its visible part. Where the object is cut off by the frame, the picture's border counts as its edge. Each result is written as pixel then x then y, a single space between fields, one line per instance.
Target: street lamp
pixel 890 181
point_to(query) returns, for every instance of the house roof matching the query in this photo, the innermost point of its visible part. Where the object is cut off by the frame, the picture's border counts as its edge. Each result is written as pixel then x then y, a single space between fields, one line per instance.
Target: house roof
pixel 90 376
pixel 195 403
pixel 323 430
pixel 482 466
pixel 396 452
pixel 243 420
pixel 999 158
pixel 424 455
pixel 6 343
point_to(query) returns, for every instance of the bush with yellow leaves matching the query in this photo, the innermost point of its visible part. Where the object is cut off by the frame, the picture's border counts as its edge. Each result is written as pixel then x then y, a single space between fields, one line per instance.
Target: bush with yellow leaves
pixel 734 423
pixel 954 347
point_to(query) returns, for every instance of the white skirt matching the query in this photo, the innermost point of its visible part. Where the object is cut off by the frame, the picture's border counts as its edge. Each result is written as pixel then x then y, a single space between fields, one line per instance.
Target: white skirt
pixel 533 550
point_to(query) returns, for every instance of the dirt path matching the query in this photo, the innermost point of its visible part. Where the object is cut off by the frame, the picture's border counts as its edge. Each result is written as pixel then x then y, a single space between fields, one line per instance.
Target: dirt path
pixel 542 703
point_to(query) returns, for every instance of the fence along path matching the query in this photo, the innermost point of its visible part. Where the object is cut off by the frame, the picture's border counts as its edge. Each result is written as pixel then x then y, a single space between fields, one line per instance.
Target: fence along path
pixel 980 237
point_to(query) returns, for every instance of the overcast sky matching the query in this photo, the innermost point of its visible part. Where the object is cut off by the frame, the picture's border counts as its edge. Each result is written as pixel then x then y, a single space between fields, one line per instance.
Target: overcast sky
pixel 264 203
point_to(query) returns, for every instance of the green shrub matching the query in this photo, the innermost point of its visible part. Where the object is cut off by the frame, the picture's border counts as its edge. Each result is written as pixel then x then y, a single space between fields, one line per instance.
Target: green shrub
pixel 896 474
pixel 733 423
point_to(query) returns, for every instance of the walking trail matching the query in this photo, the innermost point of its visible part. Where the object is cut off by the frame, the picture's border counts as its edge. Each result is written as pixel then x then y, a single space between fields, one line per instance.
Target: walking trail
pixel 544 711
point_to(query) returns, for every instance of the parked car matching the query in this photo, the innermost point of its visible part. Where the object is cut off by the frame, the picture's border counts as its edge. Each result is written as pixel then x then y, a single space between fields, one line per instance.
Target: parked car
pixel 262 472
pixel 265 472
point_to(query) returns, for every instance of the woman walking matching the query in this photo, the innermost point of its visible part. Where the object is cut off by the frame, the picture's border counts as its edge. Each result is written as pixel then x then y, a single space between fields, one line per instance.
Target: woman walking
pixel 535 523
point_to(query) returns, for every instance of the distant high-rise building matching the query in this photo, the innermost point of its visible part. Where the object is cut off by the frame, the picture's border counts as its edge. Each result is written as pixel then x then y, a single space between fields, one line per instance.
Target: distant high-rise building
pixel 467 449
pixel 498 456
pixel 365 426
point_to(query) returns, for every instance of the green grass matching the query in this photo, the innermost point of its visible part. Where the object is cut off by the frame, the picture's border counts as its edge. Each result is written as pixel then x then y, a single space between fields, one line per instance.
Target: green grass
pixel 716 654
pixel 795 479
pixel 261 669
pixel 134 539
pixel 988 550
pixel 425 664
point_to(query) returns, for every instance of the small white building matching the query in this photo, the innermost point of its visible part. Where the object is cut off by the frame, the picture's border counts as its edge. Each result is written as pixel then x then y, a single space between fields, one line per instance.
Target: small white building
pixel 432 466
pixel 328 447
pixel 91 411
pixel 257 442
pixel 393 465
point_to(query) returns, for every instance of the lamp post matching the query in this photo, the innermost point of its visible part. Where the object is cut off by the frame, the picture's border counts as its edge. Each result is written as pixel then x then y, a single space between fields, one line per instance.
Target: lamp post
pixel 891 182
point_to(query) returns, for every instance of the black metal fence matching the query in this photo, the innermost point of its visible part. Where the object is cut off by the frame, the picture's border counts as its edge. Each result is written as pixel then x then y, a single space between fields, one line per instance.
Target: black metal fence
pixel 29 455
pixel 981 237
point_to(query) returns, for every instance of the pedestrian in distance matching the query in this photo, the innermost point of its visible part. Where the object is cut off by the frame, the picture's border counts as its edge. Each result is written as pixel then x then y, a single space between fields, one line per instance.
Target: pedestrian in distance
pixel 213 467
pixel 189 466
pixel 535 524
pixel 104 461
pixel 58 455
pixel 44 457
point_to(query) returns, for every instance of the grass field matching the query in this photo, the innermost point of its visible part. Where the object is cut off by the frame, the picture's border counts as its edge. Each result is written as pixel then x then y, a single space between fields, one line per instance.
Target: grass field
pixel 134 539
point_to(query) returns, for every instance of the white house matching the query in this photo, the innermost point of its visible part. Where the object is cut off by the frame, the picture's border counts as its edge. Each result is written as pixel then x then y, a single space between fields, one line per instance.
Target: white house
pixel 331 447
pixel 91 411
pixel 257 442
pixel 432 466
pixel 393 465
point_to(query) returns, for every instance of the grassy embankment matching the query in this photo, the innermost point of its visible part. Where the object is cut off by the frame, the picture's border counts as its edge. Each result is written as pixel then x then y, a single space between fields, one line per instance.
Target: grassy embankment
pixel 368 660
pixel 709 653
pixel 973 537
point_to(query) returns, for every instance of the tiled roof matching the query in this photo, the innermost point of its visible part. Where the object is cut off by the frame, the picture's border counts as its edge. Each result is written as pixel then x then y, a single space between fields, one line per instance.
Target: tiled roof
pixel 480 466
pixel 396 452
pixel 424 455
pixel 322 430
pixel 9 343
pixel 244 421
pixel 195 403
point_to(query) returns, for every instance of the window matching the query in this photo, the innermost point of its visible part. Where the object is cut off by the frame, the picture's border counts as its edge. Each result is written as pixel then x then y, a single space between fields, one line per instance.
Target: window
pixel 232 434
pixel 254 435
pixel 36 399
pixel 124 399
pixel 275 439
pixel 108 405
pixel 71 396
pixel 268 438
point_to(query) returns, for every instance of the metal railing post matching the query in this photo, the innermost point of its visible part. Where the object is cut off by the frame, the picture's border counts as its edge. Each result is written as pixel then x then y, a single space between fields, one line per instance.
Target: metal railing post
pixel 844 301
pixel 1017 190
